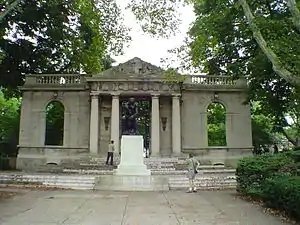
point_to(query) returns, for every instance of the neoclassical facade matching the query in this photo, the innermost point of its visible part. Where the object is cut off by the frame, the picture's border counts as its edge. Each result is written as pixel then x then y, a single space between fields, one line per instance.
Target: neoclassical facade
pixel 92 114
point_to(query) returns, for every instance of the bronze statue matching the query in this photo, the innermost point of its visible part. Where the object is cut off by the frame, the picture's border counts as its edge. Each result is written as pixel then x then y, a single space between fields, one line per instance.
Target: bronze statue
pixel 129 115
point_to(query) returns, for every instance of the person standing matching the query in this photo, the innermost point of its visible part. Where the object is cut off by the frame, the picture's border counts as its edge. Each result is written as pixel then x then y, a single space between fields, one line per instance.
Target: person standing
pixel 192 165
pixel 110 153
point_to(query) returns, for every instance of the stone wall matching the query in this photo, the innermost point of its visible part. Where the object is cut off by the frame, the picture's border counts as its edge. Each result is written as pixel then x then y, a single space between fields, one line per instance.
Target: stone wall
pixel 32 149
pixel 194 119
pixel 165 111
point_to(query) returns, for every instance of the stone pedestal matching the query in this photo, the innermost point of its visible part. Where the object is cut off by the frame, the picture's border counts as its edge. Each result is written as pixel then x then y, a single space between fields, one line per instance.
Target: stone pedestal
pixel 132 160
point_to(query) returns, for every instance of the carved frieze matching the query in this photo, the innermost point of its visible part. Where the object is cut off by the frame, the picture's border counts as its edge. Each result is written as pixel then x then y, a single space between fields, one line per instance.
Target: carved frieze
pixel 135 86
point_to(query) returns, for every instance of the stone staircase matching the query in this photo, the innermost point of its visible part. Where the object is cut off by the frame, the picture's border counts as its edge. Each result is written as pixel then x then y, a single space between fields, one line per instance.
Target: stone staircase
pixel 78 182
pixel 83 173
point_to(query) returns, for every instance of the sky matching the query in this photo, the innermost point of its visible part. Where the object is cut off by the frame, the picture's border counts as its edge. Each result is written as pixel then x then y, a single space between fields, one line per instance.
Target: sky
pixel 149 49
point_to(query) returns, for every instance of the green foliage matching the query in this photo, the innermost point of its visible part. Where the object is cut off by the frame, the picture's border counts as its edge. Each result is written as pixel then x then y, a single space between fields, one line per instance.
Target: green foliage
pixel 262 129
pixel 57 36
pixel 173 76
pixel 252 172
pixel 222 43
pixel 157 18
pixel 283 193
pixel 9 125
pixel 216 124
pixel 54 123
pixel 295 155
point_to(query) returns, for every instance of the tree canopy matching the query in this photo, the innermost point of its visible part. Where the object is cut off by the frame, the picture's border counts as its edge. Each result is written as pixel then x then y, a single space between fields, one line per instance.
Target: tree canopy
pixel 57 36
pixel 222 42
pixel 256 39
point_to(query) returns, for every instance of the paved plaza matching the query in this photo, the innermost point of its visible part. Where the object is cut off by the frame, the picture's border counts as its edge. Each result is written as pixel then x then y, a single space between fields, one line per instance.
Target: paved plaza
pixel 130 208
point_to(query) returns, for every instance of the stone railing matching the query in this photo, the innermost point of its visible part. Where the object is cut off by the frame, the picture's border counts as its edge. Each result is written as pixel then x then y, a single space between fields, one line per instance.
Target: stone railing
pixel 209 80
pixel 54 79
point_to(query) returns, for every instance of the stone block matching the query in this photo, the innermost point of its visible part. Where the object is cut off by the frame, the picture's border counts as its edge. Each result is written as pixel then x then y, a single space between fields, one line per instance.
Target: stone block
pixel 132 183
pixel 132 160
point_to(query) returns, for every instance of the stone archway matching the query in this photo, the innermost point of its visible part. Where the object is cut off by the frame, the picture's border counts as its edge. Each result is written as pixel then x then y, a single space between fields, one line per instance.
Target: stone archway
pixel 216 125
pixel 54 131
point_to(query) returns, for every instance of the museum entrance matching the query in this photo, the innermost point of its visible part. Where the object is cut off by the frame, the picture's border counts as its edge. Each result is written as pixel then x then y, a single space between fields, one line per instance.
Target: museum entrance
pixel 143 118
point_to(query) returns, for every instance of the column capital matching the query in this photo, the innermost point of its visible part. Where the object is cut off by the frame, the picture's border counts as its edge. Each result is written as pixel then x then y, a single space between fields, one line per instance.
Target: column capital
pixel 176 95
pixel 115 95
pixel 155 95
pixel 94 94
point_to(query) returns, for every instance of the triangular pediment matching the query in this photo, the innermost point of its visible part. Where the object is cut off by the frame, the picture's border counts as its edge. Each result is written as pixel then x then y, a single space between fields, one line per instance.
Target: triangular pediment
pixel 133 68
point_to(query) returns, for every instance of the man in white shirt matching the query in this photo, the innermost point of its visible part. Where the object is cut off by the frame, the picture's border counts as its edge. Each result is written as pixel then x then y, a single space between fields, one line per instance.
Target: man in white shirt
pixel 110 153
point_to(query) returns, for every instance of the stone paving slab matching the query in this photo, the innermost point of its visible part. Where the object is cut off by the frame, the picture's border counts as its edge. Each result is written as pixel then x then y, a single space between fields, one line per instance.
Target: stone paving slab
pixel 131 208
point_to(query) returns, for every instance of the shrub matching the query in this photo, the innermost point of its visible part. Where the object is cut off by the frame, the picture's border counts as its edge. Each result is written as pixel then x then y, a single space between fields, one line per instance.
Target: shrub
pixel 253 171
pixel 295 155
pixel 283 193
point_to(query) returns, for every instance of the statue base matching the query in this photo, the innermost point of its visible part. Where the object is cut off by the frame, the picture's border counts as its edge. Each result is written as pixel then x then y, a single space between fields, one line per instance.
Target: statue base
pixel 132 159
pixel 132 183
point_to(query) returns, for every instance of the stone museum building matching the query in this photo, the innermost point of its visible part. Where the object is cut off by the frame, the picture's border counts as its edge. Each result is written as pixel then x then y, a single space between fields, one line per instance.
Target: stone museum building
pixel 92 114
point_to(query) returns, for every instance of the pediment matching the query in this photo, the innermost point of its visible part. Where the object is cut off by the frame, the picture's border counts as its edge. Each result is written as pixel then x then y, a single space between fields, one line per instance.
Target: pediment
pixel 134 68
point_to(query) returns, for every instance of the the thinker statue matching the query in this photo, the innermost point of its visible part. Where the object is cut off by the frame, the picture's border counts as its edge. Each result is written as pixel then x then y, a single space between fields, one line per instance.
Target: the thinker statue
pixel 129 114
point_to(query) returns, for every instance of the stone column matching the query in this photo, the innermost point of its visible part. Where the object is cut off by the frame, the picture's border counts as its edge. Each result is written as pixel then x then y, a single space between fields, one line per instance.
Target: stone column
pixel 176 125
pixel 115 121
pixel 155 128
pixel 94 123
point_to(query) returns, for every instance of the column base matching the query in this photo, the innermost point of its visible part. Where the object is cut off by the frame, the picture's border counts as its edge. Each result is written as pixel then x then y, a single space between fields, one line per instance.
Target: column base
pixel 155 154
pixel 178 154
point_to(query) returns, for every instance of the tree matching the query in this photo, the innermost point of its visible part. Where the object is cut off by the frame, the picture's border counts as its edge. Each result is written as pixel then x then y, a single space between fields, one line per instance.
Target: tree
pixel 59 36
pixel 161 19
pixel 278 67
pixel 9 8
pixel 9 124
pixel 221 43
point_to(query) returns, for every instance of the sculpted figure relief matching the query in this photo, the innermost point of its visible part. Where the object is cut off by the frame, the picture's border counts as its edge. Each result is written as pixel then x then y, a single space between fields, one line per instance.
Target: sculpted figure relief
pixel 129 115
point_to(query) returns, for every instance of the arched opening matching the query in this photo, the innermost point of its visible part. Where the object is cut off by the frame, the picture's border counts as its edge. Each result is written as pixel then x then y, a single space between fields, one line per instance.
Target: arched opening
pixel 216 124
pixel 54 134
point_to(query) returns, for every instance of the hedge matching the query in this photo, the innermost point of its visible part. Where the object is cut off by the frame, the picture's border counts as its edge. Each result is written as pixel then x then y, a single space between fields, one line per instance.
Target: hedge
pixel 283 193
pixel 253 171
pixel 272 178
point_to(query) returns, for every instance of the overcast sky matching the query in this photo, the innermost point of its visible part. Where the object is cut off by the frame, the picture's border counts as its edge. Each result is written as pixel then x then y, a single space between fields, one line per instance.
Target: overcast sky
pixel 150 49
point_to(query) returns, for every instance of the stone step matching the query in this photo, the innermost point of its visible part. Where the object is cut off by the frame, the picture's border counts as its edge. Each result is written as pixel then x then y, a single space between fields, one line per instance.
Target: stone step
pixel 224 172
pixel 103 166
pixel 84 171
pixel 207 183
pixel 59 181
pixel 225 187
pixel 86 182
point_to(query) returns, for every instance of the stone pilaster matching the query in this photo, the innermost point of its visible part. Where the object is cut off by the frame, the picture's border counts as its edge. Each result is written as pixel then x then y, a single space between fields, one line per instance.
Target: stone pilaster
pixel 115 121
pixel 94 123
pixel 176 125
pixel 155 128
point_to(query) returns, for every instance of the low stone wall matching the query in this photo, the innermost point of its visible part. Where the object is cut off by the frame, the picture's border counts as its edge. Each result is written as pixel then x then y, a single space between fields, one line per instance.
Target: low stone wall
pixel 30 158
pixel 220 155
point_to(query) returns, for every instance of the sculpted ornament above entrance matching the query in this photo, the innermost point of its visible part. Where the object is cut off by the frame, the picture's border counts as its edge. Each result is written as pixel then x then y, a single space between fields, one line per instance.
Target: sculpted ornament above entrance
pixel 134 75
pixel 133 68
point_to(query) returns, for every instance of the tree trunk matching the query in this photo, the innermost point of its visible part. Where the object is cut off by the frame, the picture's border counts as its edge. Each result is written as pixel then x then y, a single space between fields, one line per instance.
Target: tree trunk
pixel 295 13
pixel 10 7
pixel 270 54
